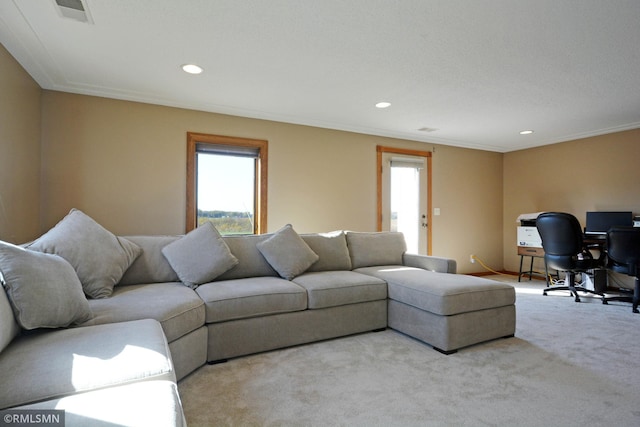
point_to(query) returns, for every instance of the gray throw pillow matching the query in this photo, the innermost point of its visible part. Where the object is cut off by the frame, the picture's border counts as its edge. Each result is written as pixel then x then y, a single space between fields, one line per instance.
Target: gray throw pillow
pixel 200 256
pixel 98 256
pixel 287 253
pixel 43 289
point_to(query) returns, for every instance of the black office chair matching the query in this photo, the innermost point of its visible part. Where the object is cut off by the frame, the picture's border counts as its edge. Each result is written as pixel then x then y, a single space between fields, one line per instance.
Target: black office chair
pixel 564 250
pixel 623 256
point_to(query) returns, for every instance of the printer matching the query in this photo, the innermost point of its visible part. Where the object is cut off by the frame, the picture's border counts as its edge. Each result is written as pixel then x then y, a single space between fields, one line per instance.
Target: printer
pixel 528 235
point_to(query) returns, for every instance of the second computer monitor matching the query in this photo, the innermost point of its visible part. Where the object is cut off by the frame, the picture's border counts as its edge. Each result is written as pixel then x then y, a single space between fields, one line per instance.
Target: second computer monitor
pixel 600 222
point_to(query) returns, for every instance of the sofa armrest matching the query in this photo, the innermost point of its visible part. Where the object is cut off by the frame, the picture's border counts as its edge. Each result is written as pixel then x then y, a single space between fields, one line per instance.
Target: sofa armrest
pixel 431 263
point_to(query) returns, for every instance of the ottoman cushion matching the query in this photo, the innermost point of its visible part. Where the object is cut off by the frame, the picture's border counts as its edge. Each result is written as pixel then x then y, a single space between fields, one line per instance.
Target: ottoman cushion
pixel 442 293
pixel 146 403
pixel 48 365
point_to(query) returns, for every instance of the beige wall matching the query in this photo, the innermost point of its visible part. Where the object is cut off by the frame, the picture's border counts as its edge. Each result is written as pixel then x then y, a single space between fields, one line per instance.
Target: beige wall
pixel 598 173
pixel 124 163
pixel 19 152
pixel 465 183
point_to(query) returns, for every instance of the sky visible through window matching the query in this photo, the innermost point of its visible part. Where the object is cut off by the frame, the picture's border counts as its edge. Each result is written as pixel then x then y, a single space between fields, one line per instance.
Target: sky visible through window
pixel 225 183
pixel 405 204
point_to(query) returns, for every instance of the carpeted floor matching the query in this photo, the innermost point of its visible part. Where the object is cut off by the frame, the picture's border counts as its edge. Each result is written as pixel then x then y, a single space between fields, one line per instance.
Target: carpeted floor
pixel 569 364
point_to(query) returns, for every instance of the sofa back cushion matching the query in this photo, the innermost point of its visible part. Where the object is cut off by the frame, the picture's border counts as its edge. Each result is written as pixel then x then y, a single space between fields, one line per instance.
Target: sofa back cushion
pixel 375 248
pixel 331 249
pixel 151 266
pixel 8 326
pixel 251 263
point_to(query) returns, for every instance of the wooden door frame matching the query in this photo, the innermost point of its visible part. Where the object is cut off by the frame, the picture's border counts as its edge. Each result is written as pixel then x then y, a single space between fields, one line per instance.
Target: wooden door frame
pixel 380 149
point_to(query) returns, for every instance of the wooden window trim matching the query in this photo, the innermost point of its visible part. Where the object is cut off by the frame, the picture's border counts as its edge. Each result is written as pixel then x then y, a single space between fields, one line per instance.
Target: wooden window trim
pixel 260 210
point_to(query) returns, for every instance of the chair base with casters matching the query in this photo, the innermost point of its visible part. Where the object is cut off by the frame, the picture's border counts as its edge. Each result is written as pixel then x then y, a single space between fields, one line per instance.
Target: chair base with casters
pixel 623 256
pixel 632 296
pixel 571 287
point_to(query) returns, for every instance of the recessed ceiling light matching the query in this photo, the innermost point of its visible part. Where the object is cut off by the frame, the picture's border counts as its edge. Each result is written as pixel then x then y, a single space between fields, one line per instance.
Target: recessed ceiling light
pixel 383 104
pixel 192 69
pixel 526 132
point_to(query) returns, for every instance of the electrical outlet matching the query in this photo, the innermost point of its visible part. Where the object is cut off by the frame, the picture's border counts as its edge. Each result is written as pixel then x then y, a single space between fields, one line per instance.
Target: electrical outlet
pixel 472 259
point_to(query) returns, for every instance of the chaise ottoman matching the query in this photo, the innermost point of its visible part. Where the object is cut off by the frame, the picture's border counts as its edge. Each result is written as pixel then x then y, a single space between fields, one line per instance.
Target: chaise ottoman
pixel 447 311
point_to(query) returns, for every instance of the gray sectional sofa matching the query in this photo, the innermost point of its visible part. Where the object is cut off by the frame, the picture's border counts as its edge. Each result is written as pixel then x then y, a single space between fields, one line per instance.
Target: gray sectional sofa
pixel 159 307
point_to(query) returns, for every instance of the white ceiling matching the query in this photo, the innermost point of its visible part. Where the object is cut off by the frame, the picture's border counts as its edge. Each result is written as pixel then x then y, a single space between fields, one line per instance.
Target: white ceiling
pixel 477 71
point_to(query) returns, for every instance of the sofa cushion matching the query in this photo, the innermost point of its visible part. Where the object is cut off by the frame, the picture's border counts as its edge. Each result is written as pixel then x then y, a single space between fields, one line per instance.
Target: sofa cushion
pixel 9 329
pixel 146 403
pixel 333 288
pixel 251 263
pixel 251 297
pixel 178 309
pixel 43 289
pixel 99 258
pixel 442 293
pixel 332 251
pixel 287 253
pixel 375 248
pixel 52 364
pixel 151 266
pixel 200 256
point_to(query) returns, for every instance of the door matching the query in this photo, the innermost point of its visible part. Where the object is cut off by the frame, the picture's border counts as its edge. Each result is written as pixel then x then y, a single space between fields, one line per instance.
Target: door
pixel 404 196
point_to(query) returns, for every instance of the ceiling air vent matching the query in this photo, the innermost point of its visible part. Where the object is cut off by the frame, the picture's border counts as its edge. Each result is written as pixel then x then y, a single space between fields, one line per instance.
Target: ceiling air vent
pixel 74 9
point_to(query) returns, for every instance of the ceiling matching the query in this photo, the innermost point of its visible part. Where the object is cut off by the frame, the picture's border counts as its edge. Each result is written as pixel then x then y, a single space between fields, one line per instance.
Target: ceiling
pixel 474 73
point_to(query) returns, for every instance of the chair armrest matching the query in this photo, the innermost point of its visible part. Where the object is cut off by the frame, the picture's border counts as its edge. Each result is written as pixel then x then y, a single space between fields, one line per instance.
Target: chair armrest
pixel 431 263
pixel 600 247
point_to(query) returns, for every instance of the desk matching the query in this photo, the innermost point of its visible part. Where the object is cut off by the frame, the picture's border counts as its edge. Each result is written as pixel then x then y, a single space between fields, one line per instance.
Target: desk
pixel 532 252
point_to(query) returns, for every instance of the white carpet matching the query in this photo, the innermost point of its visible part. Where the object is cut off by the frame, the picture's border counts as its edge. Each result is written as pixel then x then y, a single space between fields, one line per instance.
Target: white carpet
pixel 570 364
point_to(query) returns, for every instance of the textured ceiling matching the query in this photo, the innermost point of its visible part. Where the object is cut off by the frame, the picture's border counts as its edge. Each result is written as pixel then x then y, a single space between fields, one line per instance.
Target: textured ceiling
pixel 476 71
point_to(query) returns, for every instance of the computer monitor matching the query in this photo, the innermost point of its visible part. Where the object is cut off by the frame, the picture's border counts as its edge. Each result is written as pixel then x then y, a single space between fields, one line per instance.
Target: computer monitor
pixel 601 222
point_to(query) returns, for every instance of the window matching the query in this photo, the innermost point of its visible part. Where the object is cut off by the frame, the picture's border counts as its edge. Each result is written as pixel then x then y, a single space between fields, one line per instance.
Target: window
pixel 227 183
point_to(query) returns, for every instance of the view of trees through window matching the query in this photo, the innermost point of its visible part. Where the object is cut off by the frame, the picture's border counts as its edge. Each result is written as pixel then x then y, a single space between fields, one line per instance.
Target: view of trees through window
pixel 226 192
pixel 228 222
pixel 227 183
